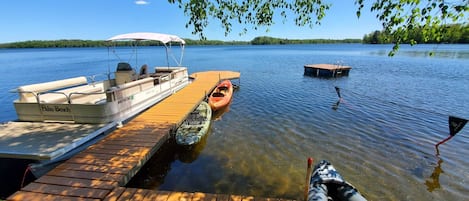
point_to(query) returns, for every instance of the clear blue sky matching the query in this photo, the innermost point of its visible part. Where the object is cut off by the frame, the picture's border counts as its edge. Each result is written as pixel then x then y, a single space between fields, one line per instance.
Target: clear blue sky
pixel 100 19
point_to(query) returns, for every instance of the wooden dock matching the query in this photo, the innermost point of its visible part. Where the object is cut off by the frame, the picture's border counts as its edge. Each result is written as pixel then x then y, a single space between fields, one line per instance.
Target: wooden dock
pixel 100 171
pixel 32 140
pixel 326 70
pixel 135 194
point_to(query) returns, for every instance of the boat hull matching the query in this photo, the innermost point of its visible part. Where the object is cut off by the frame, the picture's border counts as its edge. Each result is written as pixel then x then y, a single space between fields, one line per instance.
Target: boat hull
pixel 118 103
pixel 221 95
pixel 192 130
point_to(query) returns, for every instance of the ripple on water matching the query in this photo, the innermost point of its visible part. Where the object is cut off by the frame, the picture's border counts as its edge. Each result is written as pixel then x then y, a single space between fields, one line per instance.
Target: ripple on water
pixel 381 137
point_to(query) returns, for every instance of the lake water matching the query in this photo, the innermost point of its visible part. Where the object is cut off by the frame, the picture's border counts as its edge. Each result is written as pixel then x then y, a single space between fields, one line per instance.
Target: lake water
pixel 381 137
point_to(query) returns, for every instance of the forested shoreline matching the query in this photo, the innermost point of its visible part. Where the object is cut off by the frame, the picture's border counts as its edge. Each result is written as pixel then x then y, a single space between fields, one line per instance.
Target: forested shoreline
pixel 452 34
pixel 456 33
pixel 263 40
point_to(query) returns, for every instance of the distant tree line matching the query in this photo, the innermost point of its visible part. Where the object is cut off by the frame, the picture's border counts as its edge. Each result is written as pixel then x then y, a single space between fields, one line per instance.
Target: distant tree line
pixel 53 44
pixel 101 43
pixel 455 33
pixel 265 40
pixel 215 42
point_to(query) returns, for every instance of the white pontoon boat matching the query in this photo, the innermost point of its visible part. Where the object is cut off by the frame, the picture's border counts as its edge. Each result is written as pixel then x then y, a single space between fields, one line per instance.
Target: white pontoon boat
pixel 113 100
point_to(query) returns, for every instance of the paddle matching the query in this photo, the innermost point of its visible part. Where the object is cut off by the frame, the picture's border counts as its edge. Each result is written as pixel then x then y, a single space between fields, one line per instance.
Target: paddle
pixel 308 177
pixel 455 125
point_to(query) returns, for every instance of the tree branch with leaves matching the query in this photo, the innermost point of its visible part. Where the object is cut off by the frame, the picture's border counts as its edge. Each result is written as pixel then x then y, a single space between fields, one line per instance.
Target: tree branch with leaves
pixel 398 17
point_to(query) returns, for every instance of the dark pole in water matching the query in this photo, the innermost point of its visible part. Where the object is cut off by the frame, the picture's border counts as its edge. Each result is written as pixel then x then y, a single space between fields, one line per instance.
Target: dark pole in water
pixel 337 89
pixel 308 177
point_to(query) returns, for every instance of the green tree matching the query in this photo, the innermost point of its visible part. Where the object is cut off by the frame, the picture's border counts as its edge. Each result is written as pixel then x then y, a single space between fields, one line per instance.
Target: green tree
pixel 396 16
pixel 455 33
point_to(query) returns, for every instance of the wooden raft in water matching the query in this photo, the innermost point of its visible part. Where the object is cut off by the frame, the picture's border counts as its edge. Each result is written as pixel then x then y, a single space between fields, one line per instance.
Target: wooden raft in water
pixel 326 70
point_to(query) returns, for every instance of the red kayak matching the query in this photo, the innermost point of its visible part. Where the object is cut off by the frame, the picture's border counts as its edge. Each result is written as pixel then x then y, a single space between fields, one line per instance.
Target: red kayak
pixel 221 95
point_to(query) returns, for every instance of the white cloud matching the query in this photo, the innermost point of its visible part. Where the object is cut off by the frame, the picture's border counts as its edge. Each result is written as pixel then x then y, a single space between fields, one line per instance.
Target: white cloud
pixel 141 2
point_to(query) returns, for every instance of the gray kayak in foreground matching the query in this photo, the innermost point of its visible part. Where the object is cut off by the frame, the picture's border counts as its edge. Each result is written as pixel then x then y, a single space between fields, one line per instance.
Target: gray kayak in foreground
pixel 195 126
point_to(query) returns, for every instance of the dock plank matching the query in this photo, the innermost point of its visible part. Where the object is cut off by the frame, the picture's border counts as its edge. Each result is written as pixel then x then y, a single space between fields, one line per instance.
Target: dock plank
pixel 122 162
pixel 110 147
pixel 248 198
pixel 236 198
pixel 115 194
pixel 210 197
pixel 125 143
pixel 74 182
pixel 86 175
pixel 93 168
pixel 328 66
pixel 157 196
pixel 109 156
pixel 123 151
pixel 135 138
pixel 33 196
pixel 93 193
pixel 140 195
pixel 127 194
pixel 223 197
pixel 175 196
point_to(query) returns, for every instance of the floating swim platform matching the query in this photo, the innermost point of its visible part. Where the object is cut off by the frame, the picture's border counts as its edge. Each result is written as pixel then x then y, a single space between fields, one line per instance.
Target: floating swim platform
pixel 326 70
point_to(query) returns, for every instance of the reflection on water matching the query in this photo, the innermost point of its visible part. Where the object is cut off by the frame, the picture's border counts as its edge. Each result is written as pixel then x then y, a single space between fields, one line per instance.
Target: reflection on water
pixel 427 51
pixel 335 106
pixel 188 154
pixel 381 136
pixel 433 182
pixel 153 174
pixel 217 115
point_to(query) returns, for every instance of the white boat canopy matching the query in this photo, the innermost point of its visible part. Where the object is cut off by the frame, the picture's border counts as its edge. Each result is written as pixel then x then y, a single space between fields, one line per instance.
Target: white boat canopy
pixel 164 38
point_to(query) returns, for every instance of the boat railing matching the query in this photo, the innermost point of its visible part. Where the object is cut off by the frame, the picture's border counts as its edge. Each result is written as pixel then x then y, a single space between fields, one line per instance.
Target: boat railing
pixel 72 97
pixel 111 94
pixel 55 99
pixel 54 92
pixel 87 98
pixel 33 93
pixel 92 78
pixel 94 92
pixel 124 90
pixel 65 98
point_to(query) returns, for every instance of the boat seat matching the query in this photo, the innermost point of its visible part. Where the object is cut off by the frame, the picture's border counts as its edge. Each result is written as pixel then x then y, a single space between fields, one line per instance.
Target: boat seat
pixel 143 72
pixel 218 94
pixel 222 88
pixel 28 93
pixel 73 92
pixel 124 73
pixel 88 99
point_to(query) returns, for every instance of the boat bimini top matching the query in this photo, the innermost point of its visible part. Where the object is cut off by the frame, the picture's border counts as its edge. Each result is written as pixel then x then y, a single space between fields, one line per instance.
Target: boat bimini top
pixel 166 39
